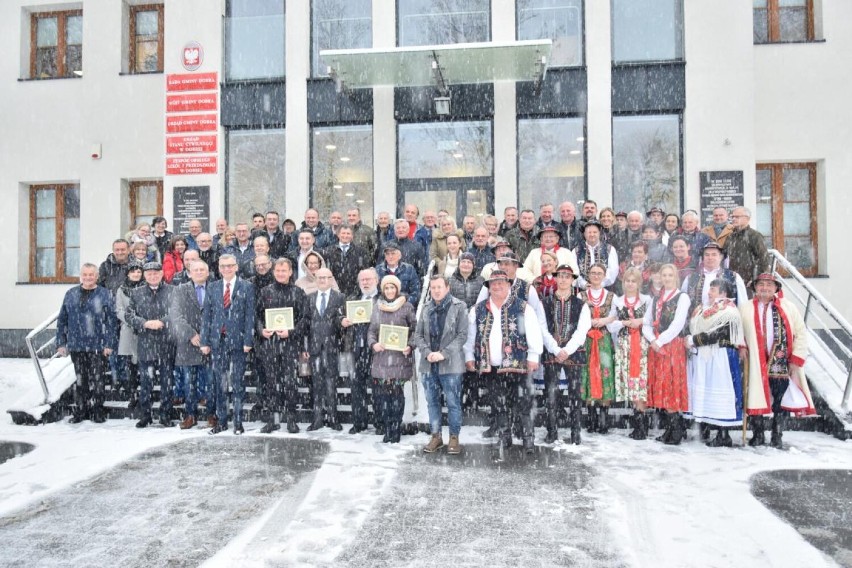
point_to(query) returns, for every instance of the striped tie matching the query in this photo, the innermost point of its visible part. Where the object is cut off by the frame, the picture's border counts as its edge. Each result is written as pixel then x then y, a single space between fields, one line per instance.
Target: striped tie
pixel 227 298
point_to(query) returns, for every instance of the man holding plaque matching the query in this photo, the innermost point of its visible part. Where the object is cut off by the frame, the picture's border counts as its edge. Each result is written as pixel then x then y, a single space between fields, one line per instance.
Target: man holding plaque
pixel 440 336
pixel 357 323
pixel 279 345
pixel 325 310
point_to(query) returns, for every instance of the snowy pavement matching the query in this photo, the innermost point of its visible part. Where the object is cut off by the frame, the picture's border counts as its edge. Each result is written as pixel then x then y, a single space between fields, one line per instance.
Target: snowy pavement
pixel 610 502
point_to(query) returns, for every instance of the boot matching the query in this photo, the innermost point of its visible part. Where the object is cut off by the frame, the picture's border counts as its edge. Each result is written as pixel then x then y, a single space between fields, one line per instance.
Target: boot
pixel 270 427
pixel 144 422
pixel 777 431
pixel 757 437
pixel 722 439
pixel 435 443
pixel 639 431
pixel 593 419
pixel 454 448
pixel 187 423
pixel 704 429
pixel 394 432
pixel 490 432
pixel 552 436
pixel 292 427
pixel 677 431
pixel 98 416
pixel 603 425
pixel 315 425
pixel 667 435
pixel 529 445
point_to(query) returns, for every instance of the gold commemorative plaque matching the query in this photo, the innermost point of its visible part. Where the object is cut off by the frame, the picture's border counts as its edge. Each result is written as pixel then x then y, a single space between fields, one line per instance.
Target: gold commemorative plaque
pixel 279 319
pixel 359 311
pixel 393 337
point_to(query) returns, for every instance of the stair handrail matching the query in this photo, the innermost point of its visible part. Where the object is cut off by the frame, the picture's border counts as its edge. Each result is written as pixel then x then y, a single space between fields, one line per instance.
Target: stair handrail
pixel 33 351
pixel 792 272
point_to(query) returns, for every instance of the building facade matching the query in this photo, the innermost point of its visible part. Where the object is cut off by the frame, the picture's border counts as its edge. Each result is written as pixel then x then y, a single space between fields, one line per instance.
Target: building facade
pixel 641 99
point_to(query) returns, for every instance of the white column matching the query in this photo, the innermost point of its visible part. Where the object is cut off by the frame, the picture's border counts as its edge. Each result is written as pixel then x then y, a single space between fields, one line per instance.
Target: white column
pixel 505 123
pixel 297 62
pixel 599 117
pixel 384 122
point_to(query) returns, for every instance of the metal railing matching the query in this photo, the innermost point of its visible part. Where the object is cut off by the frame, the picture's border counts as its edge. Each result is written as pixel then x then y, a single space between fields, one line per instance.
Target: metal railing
pixel 424 291
pixel 829 324
pixel 35 350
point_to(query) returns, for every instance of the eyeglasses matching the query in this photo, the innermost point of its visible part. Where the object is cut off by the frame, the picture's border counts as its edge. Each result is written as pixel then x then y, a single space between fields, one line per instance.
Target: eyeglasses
pixel 227 266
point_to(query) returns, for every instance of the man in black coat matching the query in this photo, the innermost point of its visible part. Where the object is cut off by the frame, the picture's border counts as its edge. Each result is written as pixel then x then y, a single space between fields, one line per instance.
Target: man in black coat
pixel 279 350
pixel 356 343
pixel 148 315
pixel 113 271
pixel 346 260
pixel 412 251
pixel 208 253
pixel 325 308
pixel 279 241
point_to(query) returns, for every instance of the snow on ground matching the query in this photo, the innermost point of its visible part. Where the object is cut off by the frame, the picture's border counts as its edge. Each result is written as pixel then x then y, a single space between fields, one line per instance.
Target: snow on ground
pixel 664 506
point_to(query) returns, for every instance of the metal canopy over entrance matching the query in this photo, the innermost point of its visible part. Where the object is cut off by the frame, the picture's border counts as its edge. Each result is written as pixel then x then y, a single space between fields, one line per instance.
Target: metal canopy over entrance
pixel 439 65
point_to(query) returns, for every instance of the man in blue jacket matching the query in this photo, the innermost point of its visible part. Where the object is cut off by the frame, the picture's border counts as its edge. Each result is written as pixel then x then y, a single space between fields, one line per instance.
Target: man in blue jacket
pixel 87 329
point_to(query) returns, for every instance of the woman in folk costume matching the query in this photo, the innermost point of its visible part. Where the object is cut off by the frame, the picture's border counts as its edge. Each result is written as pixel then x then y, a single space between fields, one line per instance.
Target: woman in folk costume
pixel 715 377
pixel 599 375
pixel 664 328
pixel 631 348
pixel 777 342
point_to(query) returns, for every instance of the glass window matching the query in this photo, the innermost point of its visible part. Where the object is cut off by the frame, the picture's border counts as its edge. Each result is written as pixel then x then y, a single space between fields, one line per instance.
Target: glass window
pixel 342 169
pixel 445 150
pixel 146 202
pixel 55 248
pixel 254 39
pixel 146 38
pixel 255 173
pixel 646 162
pixel 439 22
pixel 783 20
pixel 58 45
pixel 559 20
pixel 647 30
pixel 340 24
pixel 551 161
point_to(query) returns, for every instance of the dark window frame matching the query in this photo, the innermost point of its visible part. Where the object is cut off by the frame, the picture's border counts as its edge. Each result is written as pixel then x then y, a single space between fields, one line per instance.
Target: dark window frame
pixel 59 266
pixel 160 9
pixel 61 44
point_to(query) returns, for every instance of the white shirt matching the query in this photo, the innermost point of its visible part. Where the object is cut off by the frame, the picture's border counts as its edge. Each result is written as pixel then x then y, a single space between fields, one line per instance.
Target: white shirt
pixel 710 276
pixel 681 315
pixel 617 304
pixel 225 283
pixel 611 267
pixel 770 331
pixel 535 342
pixel 578 338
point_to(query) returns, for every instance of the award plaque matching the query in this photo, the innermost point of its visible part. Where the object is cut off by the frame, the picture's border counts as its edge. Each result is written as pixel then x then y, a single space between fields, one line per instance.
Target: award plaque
pixel 279 319
pixel 393 337
pixel 359 311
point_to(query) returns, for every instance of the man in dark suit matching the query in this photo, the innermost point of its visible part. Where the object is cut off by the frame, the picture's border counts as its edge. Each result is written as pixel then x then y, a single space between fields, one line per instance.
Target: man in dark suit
pixel 227 332
pixel 186 313
pixel 148 315
pixel 345 260
pixel 326 308
pixel 356 342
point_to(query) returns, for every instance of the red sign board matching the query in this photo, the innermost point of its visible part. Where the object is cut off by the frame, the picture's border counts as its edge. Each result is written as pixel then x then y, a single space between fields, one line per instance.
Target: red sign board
pixel 195 101
pixel 191 144
pixel 191 165
pixel 192 82
pixel 192 123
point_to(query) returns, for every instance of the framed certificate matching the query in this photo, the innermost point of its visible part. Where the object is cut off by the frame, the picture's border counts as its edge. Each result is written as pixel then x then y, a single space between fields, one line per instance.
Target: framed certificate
pixel 359 311
pixel 279 319
pixel 393 337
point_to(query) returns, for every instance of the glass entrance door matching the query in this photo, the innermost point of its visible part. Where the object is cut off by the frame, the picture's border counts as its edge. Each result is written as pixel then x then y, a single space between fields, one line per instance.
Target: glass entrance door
pixel 460 197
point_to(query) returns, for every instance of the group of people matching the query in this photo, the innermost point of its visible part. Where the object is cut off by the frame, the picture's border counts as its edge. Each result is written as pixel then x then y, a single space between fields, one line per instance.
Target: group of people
pixel 641 309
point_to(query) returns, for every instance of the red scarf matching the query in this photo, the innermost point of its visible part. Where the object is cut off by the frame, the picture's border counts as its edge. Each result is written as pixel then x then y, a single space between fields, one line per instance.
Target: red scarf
pixel 635 339
pixel 661 301
pixel 595 379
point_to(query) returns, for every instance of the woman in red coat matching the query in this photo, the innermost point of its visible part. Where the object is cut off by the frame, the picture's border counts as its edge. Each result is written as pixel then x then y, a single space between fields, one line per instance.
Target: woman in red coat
pixel 173 259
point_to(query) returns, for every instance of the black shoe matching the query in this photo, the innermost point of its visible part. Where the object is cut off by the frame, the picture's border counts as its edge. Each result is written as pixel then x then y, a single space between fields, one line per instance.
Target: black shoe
pixel 144 422
pixel 335 426
pixel 603 422
pixel 238 429
pixel 315 425
pixel 575 436
pixel 490 432
pixel 722 440
pixel 777 431
pixel 386 438
pixel 704 430
pixel 218 429
pixel 131 404
pixel 639 432
pixel 529 445
pixel 380 430
pixel 593 419
pixel 270 428
pixel 292 427
pixel 165 422
pixel 356 429
pixel 552 436
pixel 776 442
pixel 757 437
pixel 677 431
pixel 76 419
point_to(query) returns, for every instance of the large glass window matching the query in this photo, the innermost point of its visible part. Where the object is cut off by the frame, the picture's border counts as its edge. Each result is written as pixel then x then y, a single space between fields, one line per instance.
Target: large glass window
pixel 646 162
pixel 255 173
pixel 58 45
pixel 551 161
pixel 339 24
pixel 439 22
pixel 55 233
pixel 342 169
pixel 783 20
pixel 146 38
pixel 254 36
pixel 447 165
pixel 647 30
pixel 559 20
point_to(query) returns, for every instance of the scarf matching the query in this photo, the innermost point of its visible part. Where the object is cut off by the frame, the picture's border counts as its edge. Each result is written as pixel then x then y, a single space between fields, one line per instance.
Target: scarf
pixel 390 306
pixel 546 285
pixel 722 313
pixel 635 368
pixel 595 334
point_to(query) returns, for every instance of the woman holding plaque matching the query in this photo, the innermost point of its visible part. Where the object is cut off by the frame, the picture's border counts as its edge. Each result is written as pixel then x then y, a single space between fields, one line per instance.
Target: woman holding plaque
pixel 393 361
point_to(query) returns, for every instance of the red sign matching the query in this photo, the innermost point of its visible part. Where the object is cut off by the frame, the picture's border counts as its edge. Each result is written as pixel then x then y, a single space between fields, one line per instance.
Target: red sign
pixel 191 165
pixel 191 144
pixel 192 123
pixel 195 101
pixel 192 82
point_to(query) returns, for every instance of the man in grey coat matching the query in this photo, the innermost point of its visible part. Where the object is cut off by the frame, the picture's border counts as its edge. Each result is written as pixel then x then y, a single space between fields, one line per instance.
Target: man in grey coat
pixel 440 336
pixel 187 302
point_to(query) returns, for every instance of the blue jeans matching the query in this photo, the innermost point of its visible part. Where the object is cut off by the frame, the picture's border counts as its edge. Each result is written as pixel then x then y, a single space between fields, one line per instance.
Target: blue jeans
pixel 229 366
pixel 195 380
pixel 451 385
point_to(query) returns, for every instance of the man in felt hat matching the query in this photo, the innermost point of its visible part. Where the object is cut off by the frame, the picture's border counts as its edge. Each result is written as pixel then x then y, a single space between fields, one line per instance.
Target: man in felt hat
pixel 504 344
pixel 501 249
pixel 777 342
pixel 655 216
pixel 594 251
pixel 549 238
pixel 697 286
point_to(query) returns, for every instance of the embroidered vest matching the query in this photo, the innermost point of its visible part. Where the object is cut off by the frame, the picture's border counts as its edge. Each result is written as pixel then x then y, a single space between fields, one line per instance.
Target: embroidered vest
pixel 668 314
pixel 583 260
pixel 513 332
pixel 623 313
pixel 778 365
pixel 562 319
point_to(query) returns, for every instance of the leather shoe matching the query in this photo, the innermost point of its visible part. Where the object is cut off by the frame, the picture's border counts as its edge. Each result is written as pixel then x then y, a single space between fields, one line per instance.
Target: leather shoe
pixel 356 429
pixel 335 426
pixel 218 428
pixel 552 436
pixel 292 427
pixel 270 428
pixel 144 422
pixel 315 425
pixel 212 421
pixel 490 432
pixel 380 431
pixel 188 423
pixel 238 429
pixel 76 419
